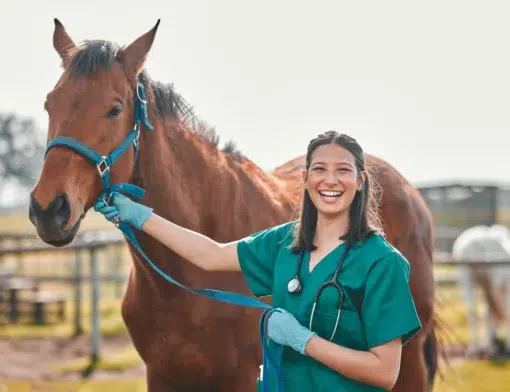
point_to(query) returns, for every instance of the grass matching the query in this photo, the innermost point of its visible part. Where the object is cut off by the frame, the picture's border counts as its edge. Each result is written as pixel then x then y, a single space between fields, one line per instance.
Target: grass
pixel 124 385
pixel 19 222
pixel 111 323
pixel 476 376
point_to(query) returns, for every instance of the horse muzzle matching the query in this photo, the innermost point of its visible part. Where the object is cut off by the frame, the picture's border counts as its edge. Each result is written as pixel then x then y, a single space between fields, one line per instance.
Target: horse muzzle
pixel 51 222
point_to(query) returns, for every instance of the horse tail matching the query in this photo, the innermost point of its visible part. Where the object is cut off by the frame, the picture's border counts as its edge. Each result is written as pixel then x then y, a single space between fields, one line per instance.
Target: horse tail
pixel 439 338
pixel 430 353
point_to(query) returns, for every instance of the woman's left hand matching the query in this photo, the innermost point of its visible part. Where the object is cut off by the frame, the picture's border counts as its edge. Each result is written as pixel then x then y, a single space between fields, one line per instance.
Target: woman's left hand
pixel 283 328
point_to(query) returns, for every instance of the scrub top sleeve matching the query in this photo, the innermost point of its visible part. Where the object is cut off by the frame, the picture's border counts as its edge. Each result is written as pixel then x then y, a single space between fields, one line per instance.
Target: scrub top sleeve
pixel 388 308
pixel 257 254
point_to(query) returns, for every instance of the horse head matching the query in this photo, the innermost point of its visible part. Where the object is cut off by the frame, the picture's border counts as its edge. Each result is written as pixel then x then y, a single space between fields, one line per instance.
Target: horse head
pixel 95 111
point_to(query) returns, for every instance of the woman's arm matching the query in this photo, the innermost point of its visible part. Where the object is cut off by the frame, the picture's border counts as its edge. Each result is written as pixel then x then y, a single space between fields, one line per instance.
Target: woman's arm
pixel 194 247
pixel 379 366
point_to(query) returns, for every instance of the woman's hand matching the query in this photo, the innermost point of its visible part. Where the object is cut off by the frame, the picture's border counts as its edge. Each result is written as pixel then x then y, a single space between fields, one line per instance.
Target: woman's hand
pixel 283 328
pixel 124 208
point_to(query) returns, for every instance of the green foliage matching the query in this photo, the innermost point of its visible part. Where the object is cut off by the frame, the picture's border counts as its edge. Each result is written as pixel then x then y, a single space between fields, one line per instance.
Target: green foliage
pixel 21 149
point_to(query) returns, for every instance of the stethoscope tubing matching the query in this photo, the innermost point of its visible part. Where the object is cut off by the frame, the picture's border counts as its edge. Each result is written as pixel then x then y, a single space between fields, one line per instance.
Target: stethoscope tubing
pixel 333 282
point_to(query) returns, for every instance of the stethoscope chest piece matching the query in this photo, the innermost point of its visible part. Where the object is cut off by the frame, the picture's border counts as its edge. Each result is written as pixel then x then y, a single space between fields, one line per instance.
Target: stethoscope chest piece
pixel 294 286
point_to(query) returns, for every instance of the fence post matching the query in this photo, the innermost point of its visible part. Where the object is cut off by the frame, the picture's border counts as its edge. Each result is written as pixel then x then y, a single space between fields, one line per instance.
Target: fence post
pixel 78 321
pixel 96 333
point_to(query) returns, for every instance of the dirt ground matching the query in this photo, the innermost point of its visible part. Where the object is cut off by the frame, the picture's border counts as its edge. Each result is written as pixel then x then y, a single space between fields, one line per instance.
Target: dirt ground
pixel 36 358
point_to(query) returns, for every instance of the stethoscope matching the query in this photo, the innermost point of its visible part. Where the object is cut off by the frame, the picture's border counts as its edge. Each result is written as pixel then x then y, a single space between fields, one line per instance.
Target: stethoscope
pixel 295 287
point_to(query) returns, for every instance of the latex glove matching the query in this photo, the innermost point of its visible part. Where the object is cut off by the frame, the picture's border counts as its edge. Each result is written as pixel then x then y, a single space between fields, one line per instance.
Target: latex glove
pixel 126 209
pixel 283 328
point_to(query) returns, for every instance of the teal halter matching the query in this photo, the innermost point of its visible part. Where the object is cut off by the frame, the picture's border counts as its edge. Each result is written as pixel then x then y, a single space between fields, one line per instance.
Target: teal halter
pixel 103 164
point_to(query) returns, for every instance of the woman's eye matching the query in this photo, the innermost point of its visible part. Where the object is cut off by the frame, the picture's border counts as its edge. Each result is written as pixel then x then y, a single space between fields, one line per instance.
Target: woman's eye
pixel 114 112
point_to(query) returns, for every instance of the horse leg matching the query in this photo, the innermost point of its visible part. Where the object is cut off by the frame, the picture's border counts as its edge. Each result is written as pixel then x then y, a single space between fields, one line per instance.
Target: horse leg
pixel 494 310
pixel 506 323
pixel 505 295
pixel 466 282
pixel 414 376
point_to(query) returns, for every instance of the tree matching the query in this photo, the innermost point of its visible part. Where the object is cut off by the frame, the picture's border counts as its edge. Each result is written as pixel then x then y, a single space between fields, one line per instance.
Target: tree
pixel 21 152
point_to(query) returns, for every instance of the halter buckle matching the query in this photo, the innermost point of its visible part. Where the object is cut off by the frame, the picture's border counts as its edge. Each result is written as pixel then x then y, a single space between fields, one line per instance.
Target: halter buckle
pixel 140 92
pixel 102 167
pixel 137 139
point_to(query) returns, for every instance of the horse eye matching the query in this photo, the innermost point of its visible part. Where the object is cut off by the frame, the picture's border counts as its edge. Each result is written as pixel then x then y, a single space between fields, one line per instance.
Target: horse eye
pixel 115 111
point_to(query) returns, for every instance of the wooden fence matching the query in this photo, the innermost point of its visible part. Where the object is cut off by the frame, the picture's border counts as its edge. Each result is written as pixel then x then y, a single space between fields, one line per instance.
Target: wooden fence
pixel 87 245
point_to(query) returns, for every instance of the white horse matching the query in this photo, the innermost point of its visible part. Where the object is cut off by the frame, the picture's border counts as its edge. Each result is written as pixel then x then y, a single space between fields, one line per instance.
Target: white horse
pixel 484 243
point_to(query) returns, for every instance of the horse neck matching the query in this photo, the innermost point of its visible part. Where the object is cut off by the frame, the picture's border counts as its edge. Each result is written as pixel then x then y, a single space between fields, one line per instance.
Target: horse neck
pixel 191 183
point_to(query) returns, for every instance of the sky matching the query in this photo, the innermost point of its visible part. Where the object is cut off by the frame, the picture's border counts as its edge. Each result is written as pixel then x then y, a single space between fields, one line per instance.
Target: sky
pixel 424 85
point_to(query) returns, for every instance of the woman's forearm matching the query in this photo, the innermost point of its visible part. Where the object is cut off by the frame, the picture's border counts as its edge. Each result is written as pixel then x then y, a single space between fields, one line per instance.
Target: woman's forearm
pixel 193 246
pixel 363 366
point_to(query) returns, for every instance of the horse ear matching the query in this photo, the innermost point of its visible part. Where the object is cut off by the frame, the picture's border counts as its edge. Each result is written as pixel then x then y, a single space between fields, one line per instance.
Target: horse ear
pixel 133 56
pixel 62 43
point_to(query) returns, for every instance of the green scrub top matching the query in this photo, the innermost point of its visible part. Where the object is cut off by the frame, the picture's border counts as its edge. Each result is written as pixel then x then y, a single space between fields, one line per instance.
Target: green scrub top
pixel 377 305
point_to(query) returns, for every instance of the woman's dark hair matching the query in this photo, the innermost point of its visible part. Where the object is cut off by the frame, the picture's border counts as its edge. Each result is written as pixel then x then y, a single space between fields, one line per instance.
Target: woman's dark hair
pixel 363 212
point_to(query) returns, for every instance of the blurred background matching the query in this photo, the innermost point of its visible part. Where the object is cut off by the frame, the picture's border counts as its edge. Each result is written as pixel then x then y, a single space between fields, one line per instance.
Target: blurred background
pixel 421 85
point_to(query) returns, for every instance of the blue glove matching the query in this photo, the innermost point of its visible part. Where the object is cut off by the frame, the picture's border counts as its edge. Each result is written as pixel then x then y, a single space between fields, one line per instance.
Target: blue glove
pixel 124 208
pixel 283 328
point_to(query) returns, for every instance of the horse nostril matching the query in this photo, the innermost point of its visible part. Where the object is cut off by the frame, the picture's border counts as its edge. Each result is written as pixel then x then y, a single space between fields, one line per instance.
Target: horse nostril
pixel 61 209
pixel 33 210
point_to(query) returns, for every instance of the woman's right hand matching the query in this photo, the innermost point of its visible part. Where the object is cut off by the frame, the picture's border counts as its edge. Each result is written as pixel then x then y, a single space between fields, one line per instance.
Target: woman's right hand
pixel 190 245
pixel 124 208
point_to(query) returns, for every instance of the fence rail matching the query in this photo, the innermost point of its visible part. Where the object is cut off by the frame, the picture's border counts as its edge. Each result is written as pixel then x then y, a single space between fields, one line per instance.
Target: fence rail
pixel 445 258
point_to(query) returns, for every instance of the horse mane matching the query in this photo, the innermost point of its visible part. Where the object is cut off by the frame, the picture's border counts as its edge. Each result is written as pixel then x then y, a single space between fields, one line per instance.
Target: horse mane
pixel 93 55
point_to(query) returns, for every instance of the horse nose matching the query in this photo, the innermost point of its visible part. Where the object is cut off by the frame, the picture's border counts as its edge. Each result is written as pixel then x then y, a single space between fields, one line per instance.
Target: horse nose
pixel 55 216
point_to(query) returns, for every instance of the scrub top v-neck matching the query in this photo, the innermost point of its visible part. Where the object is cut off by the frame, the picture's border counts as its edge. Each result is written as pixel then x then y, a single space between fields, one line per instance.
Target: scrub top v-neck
pixel 377 305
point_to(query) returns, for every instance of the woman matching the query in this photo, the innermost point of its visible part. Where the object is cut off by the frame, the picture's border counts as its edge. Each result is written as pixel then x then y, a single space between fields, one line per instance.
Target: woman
pixel 335 239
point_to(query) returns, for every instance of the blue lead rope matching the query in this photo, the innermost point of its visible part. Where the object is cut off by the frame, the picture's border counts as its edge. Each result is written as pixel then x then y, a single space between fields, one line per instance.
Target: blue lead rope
pixel 268 357
pixel 103 164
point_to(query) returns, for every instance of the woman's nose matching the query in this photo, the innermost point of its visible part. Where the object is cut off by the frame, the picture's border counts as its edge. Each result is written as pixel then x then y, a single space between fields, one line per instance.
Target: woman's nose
pixel 331 177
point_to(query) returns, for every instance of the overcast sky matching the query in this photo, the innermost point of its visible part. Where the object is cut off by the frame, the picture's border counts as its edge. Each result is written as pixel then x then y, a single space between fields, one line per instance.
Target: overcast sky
pixel 425 85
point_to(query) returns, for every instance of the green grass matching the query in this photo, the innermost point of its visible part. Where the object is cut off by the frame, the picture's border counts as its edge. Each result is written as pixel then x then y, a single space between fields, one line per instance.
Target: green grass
pixel 476 376
pixel 111 323
pixel 124 385
pixel 10 222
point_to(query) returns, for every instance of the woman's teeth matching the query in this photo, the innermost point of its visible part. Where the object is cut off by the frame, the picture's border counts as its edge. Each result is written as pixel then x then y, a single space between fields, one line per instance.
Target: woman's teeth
pixel 331 195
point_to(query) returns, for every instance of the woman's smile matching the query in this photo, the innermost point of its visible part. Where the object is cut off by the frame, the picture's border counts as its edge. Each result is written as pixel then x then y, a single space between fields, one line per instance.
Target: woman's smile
pixel 330 196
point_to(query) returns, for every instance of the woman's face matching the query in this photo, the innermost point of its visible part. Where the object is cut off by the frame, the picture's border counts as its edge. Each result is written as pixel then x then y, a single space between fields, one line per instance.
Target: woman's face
pixel 332 180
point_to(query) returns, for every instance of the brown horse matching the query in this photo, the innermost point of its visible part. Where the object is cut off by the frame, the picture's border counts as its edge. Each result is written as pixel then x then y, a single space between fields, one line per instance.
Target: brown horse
pixel 191 343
